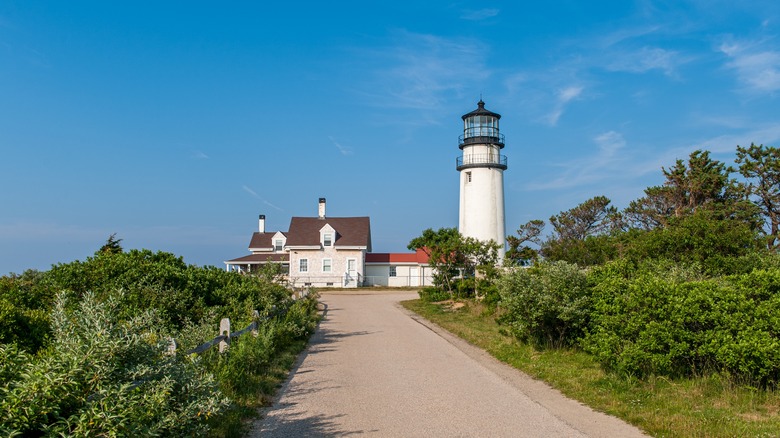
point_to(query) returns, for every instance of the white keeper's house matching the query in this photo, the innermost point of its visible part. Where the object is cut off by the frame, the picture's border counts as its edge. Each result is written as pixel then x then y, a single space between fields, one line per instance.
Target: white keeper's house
pixel 325 251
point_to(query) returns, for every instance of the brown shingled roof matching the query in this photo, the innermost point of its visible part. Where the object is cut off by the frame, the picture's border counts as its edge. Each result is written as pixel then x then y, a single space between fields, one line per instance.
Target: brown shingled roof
pixel 262 240
pixel 261 258
pixel 350 231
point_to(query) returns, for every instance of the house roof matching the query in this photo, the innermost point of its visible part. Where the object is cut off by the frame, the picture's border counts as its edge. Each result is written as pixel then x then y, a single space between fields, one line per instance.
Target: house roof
pixel 394 257
pixel 261 258
pixel 263 240
pixel 350 231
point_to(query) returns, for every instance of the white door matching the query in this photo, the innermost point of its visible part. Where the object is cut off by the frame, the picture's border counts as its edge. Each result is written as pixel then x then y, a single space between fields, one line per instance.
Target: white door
pixel 350 271
pixel 414 278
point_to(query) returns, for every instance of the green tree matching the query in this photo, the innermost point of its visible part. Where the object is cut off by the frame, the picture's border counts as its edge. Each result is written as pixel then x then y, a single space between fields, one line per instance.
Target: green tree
pixel 592 217
pixel 481 262
pixel 451 254
pixel 529 232
pixel 444 248
pixel 112 246
pixel 760 165
pixel 699 183
pixel 583 234
pixel 652 210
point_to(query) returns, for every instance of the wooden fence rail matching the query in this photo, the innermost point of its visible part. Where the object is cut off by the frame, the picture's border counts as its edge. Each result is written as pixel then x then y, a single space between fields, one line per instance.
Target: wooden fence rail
pixel 224 337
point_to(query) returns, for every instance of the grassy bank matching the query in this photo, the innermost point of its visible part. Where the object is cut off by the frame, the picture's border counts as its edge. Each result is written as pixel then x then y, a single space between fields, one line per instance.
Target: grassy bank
pixel 712 406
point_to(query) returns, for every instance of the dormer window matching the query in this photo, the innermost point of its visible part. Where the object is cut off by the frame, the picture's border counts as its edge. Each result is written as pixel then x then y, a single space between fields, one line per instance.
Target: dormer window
pixel 327 236
pixel 278 241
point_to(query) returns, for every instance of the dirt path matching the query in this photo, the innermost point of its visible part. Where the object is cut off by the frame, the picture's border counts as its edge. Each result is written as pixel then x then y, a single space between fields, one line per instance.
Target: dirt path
pixel 374 369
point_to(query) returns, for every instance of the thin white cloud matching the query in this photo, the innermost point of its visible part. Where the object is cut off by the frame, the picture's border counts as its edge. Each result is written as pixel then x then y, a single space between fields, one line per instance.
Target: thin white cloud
pixel 200 155
pixel 251 192
pixel 646 59
pixel 264 201
pixel 479 14
pixel 564 96
pixel 757 69
pixel 343 150
pixel 624 34
pixel 423 72
pixel 610 142
pixel 272 205
pixel 767 134
pixel 603 165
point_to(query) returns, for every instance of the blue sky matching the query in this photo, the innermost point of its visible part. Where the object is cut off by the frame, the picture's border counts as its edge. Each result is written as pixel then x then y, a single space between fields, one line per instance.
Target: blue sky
pixel 174 124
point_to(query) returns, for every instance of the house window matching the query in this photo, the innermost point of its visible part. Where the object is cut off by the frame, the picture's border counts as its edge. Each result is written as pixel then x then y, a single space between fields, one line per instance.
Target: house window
pixel 326 265
pixel 327 239
pixel 393 271
pixel 278 245
pixel 303 265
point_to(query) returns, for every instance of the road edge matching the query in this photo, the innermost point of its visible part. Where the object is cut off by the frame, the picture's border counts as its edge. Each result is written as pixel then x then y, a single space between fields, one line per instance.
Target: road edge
pixel 574 413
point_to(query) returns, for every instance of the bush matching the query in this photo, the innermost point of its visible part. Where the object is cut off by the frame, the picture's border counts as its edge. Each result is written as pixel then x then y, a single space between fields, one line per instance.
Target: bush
pixel 431 294
pixel 464 287
pixel 25 301
pixel 73 367
pixel 666 323
pixel 102 376
pixel 719 246
pixel 547 304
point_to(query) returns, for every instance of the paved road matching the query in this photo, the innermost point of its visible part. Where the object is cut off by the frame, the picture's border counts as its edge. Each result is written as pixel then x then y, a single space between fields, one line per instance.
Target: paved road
pixel 374 369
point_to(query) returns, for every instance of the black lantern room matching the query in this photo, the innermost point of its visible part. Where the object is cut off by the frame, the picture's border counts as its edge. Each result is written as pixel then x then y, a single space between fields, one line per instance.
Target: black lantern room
pixel 481 127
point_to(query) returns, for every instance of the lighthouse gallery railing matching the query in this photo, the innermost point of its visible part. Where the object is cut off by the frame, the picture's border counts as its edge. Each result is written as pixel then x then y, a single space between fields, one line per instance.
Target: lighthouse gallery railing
pixel 481 160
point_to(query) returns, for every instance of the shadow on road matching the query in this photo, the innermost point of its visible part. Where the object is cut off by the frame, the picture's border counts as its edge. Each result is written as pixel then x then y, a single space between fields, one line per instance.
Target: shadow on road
pixel 302 425
pixel 308 426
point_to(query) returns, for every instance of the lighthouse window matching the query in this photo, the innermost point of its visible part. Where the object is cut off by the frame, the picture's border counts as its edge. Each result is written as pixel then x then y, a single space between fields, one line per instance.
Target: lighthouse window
pixel 468 176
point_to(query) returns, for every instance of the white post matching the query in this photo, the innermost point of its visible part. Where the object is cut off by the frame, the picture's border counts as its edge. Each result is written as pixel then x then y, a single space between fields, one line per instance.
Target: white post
pixel 171 347
pixel 256 316
pixel 224 329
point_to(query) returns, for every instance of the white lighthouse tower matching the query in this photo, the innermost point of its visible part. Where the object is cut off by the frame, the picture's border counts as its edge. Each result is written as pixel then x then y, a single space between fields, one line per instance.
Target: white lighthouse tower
pixel 481 170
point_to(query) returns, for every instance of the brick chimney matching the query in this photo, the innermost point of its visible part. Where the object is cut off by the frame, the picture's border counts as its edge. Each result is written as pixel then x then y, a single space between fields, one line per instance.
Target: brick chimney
pixel 321 209
pixel 261 223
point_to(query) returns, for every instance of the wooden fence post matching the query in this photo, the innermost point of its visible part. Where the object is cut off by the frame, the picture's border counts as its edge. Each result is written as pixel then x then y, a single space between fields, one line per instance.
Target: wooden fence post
pixel 171 347
pixel 256 316
pixel 224 330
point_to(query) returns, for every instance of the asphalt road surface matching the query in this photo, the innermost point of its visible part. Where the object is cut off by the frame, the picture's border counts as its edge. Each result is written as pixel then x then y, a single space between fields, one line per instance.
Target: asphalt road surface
pixel 375 369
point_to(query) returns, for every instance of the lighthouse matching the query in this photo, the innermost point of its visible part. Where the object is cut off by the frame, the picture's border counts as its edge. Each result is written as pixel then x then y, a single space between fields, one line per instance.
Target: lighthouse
pixel 481 168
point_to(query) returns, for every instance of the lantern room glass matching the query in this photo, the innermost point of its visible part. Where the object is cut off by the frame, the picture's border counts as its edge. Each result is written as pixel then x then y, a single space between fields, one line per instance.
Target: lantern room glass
pixel 480 126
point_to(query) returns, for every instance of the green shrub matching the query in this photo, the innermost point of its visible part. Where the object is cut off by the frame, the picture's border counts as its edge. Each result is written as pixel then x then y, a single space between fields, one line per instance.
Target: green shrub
pixel 666 323
pixel 547 304
pixel 119 337
pixel 103 376
pixel 431 294
pixel 490 295
pixel 464 287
